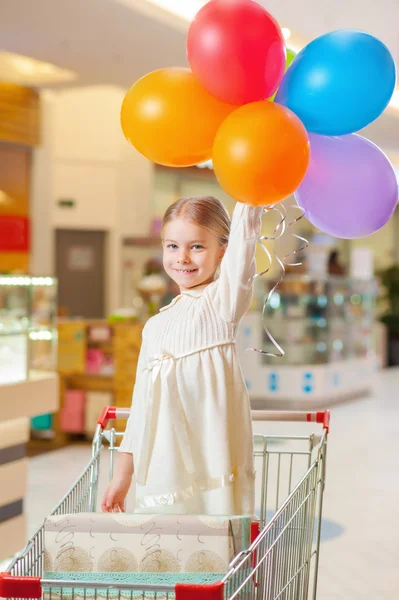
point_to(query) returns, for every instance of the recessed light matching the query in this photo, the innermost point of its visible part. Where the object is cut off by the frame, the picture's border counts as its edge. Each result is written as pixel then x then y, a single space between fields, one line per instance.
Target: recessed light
pixel 186 9
pixel 23 64
pixel 286 32
pixel 24 70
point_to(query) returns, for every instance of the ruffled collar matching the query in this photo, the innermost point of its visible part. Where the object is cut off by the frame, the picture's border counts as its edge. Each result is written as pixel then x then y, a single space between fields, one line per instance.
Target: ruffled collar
pixel 194 293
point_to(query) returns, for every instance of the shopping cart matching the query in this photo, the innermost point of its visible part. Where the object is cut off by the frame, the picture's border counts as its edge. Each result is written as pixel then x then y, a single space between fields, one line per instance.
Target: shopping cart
pixel 282 561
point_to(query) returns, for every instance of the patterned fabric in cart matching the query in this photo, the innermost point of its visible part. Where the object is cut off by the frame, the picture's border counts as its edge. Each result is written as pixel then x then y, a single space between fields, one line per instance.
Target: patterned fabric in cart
pixel 140 549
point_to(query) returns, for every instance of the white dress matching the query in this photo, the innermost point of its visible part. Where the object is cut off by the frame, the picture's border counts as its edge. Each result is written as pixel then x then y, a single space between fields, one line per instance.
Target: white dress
pixel 190 428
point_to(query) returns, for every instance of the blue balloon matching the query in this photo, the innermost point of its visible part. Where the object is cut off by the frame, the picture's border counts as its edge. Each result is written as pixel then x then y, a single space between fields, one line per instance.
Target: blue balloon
pixel 339 83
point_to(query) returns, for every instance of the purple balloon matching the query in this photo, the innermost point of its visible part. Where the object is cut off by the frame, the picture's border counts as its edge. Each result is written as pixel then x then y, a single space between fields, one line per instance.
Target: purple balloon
pixel 350 190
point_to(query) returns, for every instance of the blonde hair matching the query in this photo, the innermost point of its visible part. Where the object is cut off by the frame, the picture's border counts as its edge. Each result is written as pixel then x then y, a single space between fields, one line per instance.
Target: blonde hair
pixel 206 211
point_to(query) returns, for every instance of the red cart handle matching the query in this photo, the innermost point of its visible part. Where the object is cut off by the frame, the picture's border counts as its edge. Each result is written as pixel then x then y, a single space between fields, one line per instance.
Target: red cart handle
pixel 110 413
pixel 323 417
pixel 19 587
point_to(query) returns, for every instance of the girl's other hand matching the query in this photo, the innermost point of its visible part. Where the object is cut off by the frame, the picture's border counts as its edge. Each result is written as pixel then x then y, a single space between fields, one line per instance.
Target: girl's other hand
pixel 114 497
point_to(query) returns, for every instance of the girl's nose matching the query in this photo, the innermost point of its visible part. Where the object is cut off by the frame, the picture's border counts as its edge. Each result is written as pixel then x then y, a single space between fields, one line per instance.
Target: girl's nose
pixel 183 257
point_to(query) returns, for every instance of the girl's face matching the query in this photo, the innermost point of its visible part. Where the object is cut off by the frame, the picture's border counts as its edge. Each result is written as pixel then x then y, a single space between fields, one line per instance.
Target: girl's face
pixel 191 254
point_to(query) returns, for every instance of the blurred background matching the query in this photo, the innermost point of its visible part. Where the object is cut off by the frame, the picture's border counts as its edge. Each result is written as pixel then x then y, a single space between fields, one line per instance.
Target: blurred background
pixel 81 272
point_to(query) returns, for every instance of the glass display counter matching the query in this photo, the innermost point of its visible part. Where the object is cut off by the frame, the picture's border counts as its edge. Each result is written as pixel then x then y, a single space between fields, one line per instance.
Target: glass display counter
pixel 28 388
pixel 326 329
pixel 28 334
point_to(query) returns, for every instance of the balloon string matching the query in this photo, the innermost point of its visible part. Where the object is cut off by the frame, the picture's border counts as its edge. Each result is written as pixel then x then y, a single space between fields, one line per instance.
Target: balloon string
pixel 281 228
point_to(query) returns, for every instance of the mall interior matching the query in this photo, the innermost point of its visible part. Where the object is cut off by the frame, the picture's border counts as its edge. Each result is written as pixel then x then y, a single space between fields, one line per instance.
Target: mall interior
pixel 81 273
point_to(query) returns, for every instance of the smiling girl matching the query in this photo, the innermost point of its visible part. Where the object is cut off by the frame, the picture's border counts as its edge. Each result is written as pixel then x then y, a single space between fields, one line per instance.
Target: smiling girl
pixel 188 440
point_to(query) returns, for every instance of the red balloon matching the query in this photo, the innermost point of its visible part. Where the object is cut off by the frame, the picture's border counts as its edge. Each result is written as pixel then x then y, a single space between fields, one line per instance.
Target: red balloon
pixel 236 50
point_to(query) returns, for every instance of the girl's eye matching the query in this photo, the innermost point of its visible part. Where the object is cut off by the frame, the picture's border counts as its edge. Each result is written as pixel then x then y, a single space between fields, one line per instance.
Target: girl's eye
pixel 198 247
pixel 172 246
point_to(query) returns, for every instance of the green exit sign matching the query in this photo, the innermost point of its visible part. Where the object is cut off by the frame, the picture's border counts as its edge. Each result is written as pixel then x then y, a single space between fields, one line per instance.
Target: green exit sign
pixel 67 203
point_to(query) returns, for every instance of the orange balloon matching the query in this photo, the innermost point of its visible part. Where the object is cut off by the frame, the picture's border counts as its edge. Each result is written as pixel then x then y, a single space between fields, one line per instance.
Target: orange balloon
pixel 169 118
pixel 261 153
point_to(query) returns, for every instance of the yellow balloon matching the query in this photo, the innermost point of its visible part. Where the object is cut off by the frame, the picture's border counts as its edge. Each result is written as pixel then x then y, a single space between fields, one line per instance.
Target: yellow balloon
pixel 169 118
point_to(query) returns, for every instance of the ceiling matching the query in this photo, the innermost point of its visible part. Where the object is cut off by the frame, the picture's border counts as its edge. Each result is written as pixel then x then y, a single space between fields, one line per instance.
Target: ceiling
pixel 117 41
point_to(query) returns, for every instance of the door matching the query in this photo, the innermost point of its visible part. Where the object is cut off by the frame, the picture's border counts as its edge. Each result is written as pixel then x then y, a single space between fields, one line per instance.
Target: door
pixel 80 265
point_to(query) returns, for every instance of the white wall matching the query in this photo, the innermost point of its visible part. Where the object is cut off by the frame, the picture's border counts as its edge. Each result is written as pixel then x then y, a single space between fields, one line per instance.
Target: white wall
pixel 85 157
pixel 41 197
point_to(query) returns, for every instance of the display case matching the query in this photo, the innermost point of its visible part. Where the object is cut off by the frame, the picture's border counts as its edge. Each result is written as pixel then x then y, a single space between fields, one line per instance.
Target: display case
pixel 326 329
pixel 319 322
pixel 28 334
pixel 28 389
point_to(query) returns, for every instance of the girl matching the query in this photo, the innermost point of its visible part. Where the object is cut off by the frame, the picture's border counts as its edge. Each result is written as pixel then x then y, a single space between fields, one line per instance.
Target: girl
pixel 189 436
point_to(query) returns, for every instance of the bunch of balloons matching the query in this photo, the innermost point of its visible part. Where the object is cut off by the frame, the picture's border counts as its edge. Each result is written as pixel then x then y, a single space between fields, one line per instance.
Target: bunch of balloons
pixel 274 123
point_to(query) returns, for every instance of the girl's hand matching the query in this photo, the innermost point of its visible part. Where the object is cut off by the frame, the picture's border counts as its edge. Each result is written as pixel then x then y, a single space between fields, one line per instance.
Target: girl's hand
pixel 114 497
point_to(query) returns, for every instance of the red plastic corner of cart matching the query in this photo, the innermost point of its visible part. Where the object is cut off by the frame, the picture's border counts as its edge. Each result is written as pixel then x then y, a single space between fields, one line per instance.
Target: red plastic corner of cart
pixel 214 591
pixel 19 587
pixel 108 413
pixel 255 530
pixel 324 417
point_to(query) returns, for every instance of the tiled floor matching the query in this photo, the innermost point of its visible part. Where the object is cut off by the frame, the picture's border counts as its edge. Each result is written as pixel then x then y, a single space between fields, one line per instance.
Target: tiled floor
pixel 359 554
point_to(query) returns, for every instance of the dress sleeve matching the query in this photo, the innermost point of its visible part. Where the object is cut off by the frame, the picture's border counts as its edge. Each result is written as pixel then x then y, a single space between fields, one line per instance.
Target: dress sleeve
pixel 128 437
pixel 233 292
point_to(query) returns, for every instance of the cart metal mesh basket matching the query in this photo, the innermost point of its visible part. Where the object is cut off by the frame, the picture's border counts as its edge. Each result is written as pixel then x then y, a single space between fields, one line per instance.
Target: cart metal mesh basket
pixel 282 562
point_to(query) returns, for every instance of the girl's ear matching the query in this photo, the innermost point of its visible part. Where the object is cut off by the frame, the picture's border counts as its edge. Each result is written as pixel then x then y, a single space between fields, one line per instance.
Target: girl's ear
pixel 222 251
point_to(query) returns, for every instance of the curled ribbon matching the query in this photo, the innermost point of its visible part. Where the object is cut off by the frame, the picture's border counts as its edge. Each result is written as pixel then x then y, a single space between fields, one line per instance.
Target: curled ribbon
pixel 280 229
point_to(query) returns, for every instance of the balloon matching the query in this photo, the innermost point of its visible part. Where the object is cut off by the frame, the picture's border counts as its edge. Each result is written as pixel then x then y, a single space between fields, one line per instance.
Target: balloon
pixel 261 153
pixel 350 189
pixel 169 118
pixel 236 50
pixel 339 83
pixel 290 57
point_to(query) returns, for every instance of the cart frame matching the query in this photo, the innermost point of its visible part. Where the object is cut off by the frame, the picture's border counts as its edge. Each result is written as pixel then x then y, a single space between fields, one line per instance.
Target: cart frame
pixel 281 563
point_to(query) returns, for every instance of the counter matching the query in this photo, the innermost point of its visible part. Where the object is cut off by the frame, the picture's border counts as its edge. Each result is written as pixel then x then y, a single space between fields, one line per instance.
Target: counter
pixel 327 331
pixel 28 388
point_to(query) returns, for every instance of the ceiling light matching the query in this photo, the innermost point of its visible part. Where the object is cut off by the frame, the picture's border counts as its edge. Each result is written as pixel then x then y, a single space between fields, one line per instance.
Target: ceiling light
pixel 48 68
pixel 23 64
pixel 24 70
pixel 286 32
pixel 187 9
